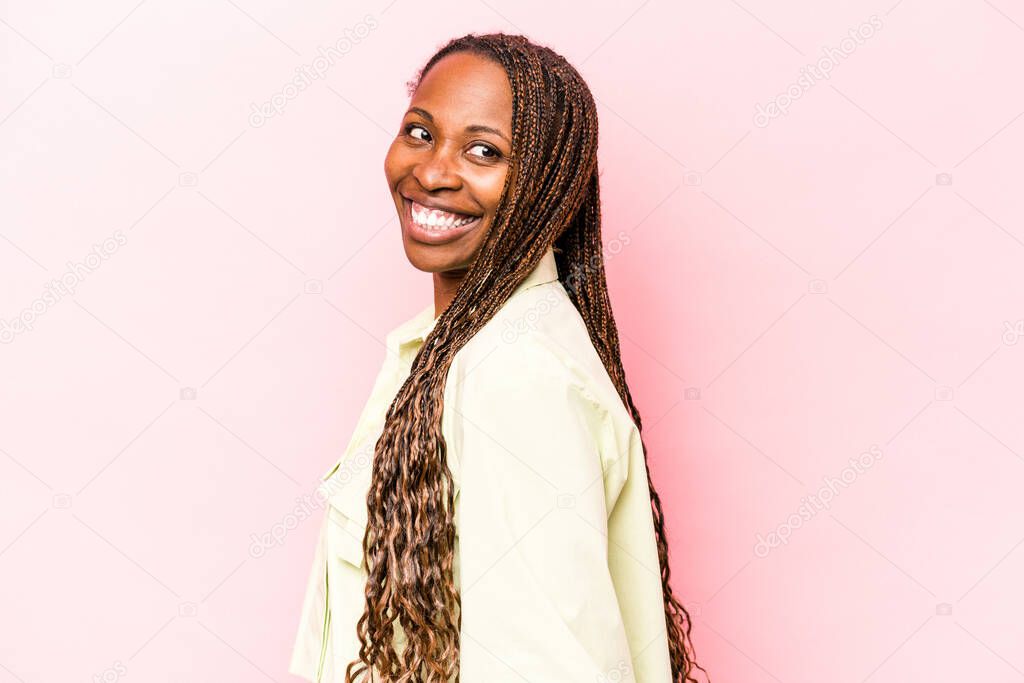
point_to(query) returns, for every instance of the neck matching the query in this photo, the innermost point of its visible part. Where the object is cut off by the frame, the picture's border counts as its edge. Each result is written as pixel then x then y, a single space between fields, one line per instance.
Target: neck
pixel 446 283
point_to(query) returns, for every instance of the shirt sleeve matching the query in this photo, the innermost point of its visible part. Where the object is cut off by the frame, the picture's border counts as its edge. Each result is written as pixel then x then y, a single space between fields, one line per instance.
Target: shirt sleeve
pixel 538 599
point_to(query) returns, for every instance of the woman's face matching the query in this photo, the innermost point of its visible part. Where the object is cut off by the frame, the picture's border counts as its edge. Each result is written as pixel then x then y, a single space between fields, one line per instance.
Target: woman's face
pixel 447 167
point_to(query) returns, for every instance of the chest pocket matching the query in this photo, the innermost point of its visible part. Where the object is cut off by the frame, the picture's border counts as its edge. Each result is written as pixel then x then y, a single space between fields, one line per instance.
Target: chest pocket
pixel 346 486
pixel 347 483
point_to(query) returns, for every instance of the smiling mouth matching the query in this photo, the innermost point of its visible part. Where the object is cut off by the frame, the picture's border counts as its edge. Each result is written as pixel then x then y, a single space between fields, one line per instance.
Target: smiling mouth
pixel 435 220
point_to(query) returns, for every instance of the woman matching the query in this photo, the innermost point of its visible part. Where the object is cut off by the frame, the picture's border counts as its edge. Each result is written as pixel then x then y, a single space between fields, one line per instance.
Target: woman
pixel 492 518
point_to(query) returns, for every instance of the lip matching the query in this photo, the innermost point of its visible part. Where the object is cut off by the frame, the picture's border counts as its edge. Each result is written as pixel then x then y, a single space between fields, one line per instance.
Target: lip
pixel 431 204
pixel 426 236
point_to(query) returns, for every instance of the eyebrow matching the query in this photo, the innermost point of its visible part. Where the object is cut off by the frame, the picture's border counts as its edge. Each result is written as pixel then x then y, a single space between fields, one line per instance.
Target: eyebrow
pixel 475 128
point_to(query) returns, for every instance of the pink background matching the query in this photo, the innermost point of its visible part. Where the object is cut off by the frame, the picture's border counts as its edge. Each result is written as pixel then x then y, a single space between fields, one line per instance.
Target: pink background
pixel 791 291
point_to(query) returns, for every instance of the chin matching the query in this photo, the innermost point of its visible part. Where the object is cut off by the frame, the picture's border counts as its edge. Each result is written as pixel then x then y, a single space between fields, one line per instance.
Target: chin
pixel 456 255
pixel 431 258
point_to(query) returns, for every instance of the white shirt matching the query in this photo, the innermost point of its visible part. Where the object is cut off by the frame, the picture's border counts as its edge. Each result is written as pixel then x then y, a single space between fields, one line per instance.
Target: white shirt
pixel 556 557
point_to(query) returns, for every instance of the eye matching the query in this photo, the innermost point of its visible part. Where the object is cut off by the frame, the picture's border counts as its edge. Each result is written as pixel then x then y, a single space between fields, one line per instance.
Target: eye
pixel 492 153
pixel 409 128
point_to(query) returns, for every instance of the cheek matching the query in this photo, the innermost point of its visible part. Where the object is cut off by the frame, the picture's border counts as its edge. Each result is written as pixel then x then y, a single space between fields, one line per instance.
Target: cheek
pixel 490 189
pixel 393 164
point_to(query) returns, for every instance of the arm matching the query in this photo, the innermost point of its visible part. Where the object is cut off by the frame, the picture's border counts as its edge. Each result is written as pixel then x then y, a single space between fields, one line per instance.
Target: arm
pixel 538 601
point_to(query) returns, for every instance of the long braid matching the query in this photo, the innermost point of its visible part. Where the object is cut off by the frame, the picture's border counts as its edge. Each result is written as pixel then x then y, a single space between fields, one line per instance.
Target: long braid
pixel 550 198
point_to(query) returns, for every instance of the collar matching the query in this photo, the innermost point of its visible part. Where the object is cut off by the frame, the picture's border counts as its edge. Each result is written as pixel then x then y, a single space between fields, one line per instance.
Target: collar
pixel 415 330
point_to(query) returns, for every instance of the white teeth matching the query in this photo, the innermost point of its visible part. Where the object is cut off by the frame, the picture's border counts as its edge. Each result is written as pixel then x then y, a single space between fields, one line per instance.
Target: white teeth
pixel 439 220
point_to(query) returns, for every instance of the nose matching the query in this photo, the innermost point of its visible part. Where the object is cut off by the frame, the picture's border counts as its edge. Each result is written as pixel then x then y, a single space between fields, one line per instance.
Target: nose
pixel 436 171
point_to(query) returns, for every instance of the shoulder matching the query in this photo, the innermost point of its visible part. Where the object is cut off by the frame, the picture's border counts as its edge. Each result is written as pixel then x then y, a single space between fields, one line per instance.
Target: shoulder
pixel 536 340
pixel 534 362
pixel 540 333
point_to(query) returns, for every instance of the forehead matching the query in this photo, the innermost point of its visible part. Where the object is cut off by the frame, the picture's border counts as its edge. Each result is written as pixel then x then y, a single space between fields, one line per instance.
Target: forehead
pixel 464 89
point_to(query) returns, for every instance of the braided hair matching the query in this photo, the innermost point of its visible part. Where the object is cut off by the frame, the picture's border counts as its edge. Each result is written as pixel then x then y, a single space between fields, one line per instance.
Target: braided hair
pixel 550 199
